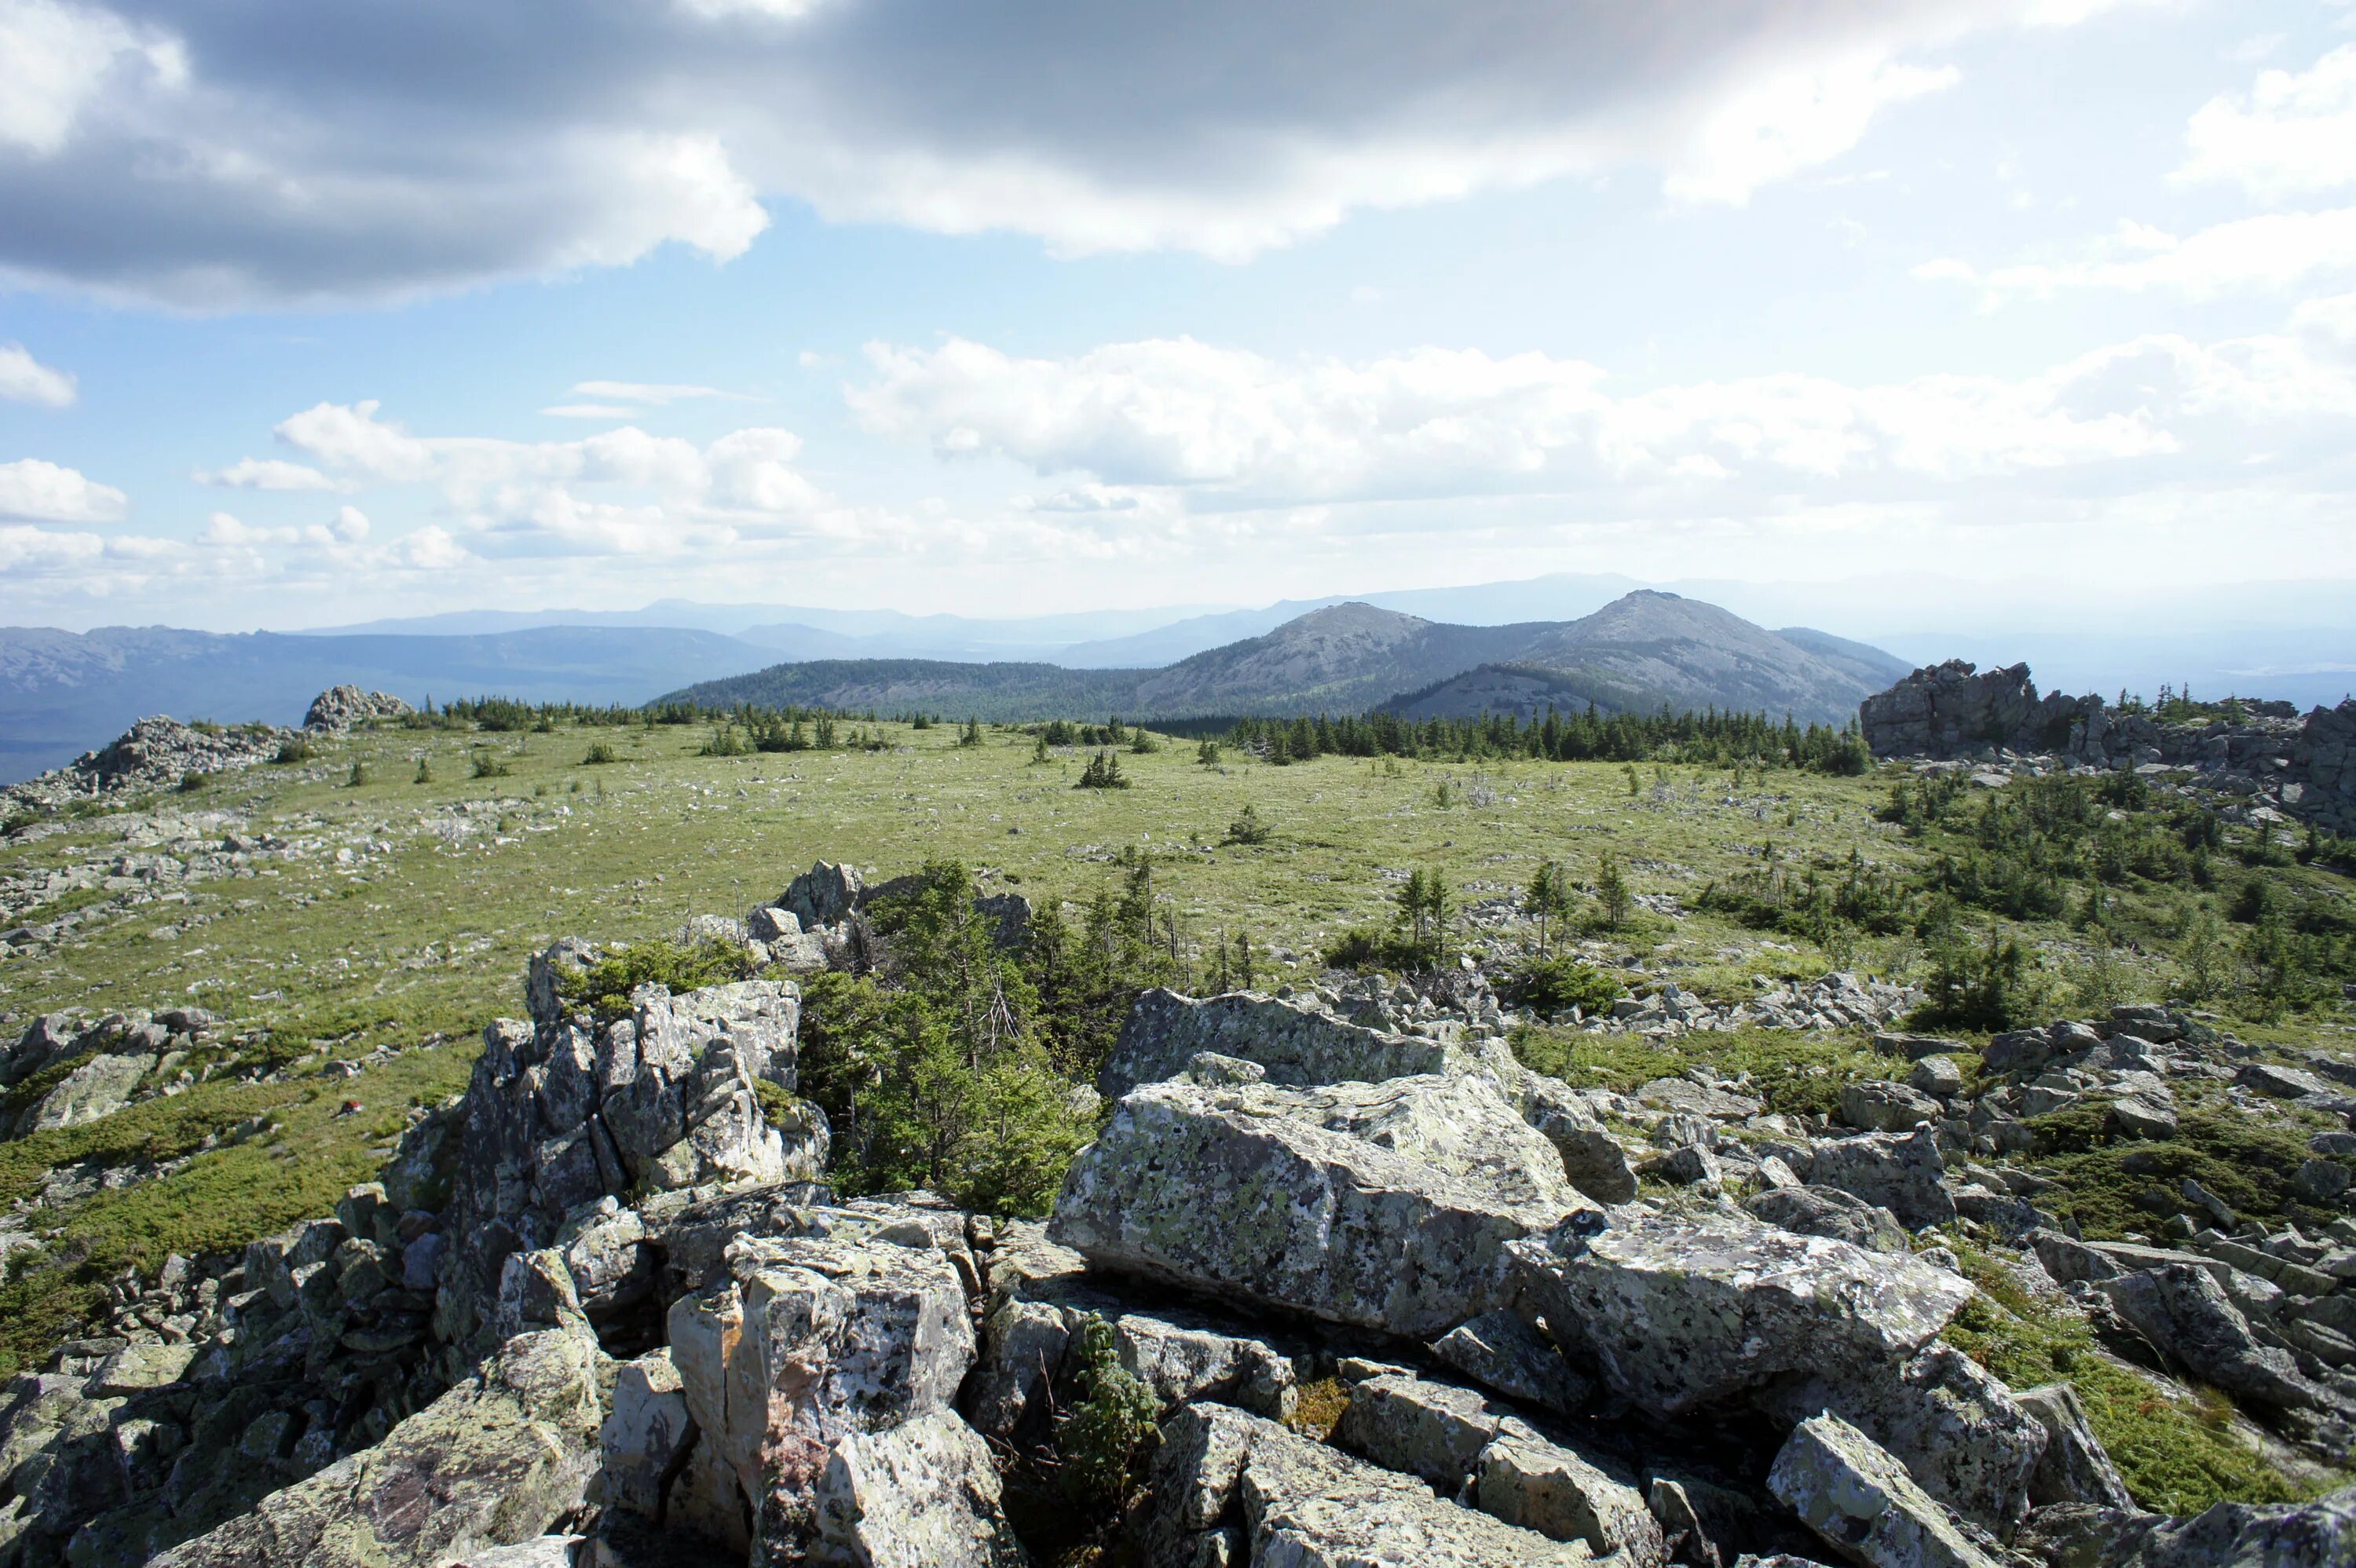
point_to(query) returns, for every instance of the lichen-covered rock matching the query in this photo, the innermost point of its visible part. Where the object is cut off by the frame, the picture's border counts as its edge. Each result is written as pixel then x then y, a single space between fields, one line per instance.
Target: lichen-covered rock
pixel 97 1089
pixel 1592 1159
pixel 1829 1211
pixel 1294 1042
pixel 810 1341
pixel 922 1495
pixel 1429 1429
pixel 648 1436
pixel 2183 1311
pixel 339 708
pixel 1902 1172
pixel 1679 1313
pixel 491 1462
pixel 1305 1505
pixel 2318 1534
pixel 1500 1350
pixel 564 1111
pixel 1525 1479
pixel 1863 1503
pixel 1951 1422
pixel 2074 1467
pixel 1384 1205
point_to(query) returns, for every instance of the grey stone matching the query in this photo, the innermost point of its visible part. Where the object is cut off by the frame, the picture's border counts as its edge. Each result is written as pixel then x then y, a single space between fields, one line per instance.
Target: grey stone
pixel 1524 1478
pixel 1863 1502
pixel 922 1495
pixel 810 1342
pixel 1429 1429
pixel 1679 1313
pixel 1305 1505
pixel 2318 1534
pixel 2186 1313
pixel 97 1089
pixel 2074 1467
pixel 2280 1083
pixel 1295 1043
pixel 1900 1172
pixel 1501 1351
pixel 1936 1075
pixel 1878 1107
pixel 1951 1423
pixel 1592 1159
pixel 1831 1212
pixel 1384 1205
pixel 491 1462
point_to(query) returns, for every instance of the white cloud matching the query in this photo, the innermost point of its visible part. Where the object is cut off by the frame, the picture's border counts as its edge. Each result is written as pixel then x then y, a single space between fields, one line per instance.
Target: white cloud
pixel 54 59
pixel 590 411
pixel 2270 252
pixel 352 439
pixel 625 128
pixel 36 491
pixel 352 525
pixel 2294 133
pixel 2330 324
pixel 1791 122
pixel 1441 422
pixel 656 393
pixel 266 474
pixel 23 379
pixel 34 551
pixel 430 549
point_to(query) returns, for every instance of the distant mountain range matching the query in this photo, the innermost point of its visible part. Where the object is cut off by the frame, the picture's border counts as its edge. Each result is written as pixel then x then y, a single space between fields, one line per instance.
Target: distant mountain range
pixel 62 693
pixel 1498 647
pixel 1641 651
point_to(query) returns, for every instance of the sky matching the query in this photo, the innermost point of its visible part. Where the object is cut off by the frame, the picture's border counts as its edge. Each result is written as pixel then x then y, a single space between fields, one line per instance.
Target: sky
pixel 313 314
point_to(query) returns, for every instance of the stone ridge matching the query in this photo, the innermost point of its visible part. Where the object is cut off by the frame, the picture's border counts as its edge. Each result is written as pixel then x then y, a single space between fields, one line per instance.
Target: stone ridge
pixel 1953 710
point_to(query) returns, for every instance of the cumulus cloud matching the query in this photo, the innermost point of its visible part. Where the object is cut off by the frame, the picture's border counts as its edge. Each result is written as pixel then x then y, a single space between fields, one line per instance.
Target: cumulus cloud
pixel 280 152
pixel 1182 414
pixel 35 491
pixel 2292 135
pixel 2272 251
pixel 38 551
pixel 266 474
pixel 25 379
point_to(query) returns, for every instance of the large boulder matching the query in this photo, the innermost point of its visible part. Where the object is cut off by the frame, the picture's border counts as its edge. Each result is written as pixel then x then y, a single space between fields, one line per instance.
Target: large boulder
pixel 1296 1503
pixel 493 1462
pixel 1902 1172
pixel 1949 1421
pixel 1384 1205
pixel 809 1342
pixel 1295 1043
pixel 1863 1502
pixel 2318 1534
pixel 1680 1313
pixel 339 708
pixel 2183 1311
pixel 97 1089
pixel 923 1494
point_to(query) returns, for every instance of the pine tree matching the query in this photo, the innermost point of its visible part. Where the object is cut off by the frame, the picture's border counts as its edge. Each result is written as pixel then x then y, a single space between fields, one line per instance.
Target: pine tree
pixel 1612 892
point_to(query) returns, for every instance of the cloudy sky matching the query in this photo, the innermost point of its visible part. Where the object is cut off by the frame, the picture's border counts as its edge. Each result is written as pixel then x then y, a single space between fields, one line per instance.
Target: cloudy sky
pixel 312 312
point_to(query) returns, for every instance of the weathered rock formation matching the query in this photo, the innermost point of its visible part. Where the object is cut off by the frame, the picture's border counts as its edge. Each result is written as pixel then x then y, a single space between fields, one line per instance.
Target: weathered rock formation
pixel 339 708
pixel 1953 710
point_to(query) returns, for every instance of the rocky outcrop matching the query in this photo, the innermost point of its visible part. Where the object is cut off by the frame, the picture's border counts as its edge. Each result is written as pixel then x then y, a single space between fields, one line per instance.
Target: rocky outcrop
pixel 339 708
pixel 493 1462
pixel 1954 710
pixel 153 754
pixel 569 1109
